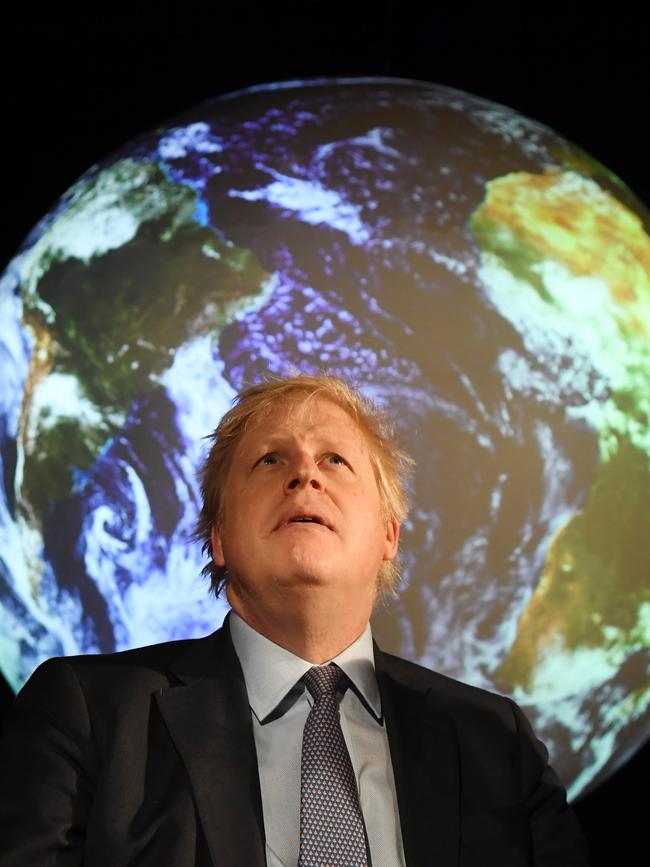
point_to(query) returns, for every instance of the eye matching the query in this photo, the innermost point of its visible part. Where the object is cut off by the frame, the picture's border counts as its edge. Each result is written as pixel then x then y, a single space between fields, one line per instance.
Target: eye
pixel 336 459
pixel 268 459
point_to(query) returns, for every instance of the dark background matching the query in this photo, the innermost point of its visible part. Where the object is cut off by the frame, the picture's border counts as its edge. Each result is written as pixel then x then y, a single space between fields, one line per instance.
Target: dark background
pixel 77 87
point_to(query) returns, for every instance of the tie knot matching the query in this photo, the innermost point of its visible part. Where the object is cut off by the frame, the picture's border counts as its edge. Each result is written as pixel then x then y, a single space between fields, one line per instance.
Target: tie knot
pixel 322 680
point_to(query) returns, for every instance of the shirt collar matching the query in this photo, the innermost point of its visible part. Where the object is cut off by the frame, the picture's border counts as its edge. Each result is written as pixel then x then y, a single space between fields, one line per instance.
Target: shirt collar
pixel 271 671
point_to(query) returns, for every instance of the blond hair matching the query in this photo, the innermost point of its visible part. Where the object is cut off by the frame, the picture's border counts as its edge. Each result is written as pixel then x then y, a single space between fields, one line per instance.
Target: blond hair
pixel 390 463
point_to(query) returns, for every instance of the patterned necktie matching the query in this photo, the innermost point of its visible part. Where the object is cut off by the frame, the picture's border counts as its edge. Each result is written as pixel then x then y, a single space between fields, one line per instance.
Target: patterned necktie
pixel 331 822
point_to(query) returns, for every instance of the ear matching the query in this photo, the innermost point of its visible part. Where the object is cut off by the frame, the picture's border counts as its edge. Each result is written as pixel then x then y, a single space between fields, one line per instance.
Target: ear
pixel 392 540
pixel 217 547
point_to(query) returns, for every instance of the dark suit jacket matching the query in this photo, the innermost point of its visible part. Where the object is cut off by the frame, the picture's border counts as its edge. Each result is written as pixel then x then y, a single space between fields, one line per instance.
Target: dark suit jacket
pixel 147 758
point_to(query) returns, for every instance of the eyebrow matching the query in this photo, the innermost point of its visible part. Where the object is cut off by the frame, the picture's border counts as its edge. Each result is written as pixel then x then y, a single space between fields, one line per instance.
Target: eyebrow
pixel 275 442
pixel 272 441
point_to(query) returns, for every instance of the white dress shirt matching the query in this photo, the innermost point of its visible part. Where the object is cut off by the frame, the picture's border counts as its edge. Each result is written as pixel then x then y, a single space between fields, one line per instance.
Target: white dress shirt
pixel 280 705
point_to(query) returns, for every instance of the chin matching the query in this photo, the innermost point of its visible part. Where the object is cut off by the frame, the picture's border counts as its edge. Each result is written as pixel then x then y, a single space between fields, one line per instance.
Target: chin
pixel 305 578
pixel 302 565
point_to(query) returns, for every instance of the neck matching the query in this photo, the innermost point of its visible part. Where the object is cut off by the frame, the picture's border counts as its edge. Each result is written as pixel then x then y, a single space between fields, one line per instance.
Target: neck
pixel 316 631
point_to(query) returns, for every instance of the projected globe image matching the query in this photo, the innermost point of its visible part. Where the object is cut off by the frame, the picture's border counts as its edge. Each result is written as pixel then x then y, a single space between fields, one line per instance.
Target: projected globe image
pixel 484 280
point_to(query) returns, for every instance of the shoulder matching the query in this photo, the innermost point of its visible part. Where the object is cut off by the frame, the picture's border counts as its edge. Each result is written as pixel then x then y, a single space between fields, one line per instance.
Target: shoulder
pixel 417 677
pixel 104 699
pixel 467 705
pixel 506 785
pixel 153 658
pixel 119 678
pixel 479 721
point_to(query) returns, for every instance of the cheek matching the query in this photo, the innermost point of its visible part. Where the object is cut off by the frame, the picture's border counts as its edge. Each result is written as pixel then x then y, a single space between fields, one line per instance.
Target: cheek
pixel 243 526
pixel 367 495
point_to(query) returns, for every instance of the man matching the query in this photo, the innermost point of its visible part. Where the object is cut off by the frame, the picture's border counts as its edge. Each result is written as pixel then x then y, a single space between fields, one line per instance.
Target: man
pixel 249 747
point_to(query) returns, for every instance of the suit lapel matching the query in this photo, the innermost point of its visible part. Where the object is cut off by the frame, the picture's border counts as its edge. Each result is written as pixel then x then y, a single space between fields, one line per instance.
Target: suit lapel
pixel 424 754
pixel 209 720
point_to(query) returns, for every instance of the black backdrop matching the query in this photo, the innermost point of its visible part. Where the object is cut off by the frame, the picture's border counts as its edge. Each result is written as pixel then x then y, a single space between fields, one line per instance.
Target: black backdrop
pixel 76 87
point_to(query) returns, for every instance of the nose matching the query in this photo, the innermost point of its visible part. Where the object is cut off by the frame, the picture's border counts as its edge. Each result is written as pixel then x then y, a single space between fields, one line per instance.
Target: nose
pixel 303 472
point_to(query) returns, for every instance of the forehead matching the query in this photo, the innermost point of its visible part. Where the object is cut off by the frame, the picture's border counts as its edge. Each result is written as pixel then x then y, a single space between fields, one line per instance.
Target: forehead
pixel 307 416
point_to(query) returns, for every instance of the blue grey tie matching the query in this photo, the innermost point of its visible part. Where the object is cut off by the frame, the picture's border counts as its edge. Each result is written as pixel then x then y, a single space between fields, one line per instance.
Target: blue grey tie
pixel 331 823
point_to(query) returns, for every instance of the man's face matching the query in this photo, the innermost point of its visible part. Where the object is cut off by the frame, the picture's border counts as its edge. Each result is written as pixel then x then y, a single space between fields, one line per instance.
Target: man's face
pixel 302 511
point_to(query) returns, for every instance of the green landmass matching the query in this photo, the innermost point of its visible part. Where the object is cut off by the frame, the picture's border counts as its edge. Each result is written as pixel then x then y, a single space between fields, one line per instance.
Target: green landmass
pixel 571 157
pixel 595 578
pixel 594 586
pixel 120 317
pixel 51 463
pixel 519 257
pixel 114 320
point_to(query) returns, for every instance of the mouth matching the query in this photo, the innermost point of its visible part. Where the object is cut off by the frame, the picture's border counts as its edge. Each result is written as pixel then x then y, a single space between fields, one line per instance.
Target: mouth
pixel 305 519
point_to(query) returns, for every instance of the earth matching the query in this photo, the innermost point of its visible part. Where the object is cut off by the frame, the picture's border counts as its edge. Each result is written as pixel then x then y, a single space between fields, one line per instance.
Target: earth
pixel 483 279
